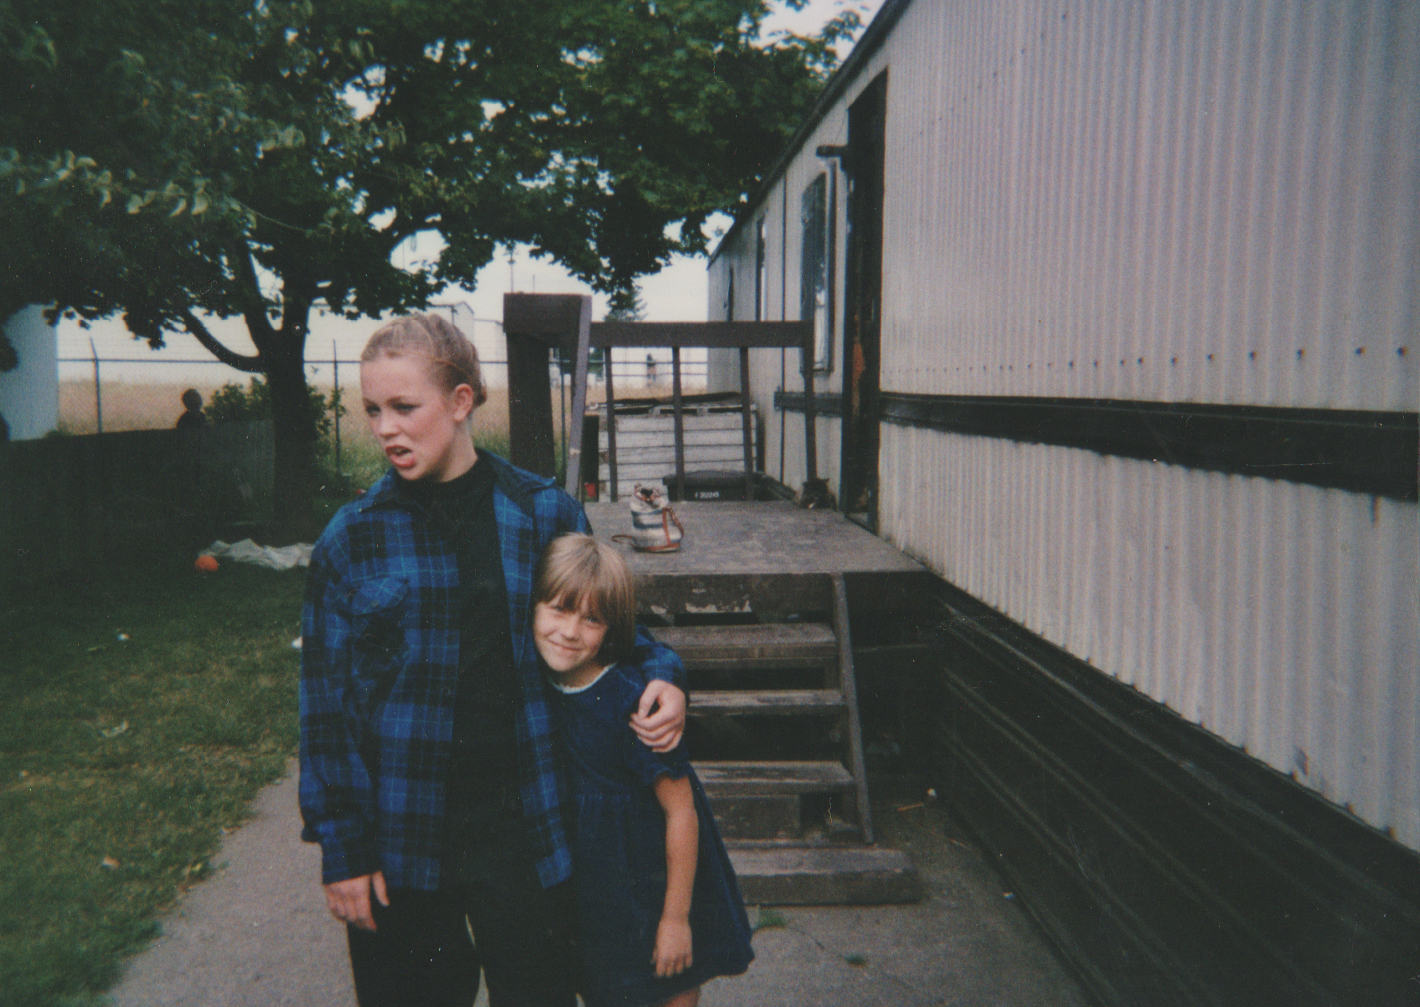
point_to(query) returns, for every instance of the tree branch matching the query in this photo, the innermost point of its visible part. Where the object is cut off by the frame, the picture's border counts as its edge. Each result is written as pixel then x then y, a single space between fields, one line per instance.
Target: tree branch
pixel 248 294
pixel 193 324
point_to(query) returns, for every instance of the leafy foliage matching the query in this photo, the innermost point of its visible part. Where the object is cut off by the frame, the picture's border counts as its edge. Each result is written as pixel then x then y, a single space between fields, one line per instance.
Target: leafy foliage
pixel 234 404
pixel 181 161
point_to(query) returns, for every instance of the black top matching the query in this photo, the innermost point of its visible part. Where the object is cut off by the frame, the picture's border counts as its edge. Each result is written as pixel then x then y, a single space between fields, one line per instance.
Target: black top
pixel 483 807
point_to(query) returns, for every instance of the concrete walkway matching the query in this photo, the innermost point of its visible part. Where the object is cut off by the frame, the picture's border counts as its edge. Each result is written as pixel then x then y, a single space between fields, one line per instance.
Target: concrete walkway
pixel 256 934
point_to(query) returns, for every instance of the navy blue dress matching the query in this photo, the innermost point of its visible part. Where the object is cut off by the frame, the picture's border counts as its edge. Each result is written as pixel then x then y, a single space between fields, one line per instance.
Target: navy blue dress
pixel 619 855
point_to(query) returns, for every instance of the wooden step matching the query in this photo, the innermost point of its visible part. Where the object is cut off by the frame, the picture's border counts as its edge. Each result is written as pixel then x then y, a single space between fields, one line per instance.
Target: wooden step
pixel 748 779
pixel 766 645
pixel 760 702
pixel 759 817
pixel 825 875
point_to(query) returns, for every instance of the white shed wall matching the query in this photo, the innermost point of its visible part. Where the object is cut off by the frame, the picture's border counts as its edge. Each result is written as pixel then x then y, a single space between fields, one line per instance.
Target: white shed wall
pixel 29 395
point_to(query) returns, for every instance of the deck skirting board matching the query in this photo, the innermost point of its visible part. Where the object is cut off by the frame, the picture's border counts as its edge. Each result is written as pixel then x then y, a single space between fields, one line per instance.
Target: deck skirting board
pixel 1369 452
pixel 1168 867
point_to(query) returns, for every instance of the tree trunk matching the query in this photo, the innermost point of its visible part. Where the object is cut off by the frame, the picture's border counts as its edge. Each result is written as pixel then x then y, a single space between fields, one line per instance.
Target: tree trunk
pixel 295 436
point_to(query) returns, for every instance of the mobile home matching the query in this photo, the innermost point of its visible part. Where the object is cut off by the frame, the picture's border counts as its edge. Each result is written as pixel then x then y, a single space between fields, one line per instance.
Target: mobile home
pixel 1116 314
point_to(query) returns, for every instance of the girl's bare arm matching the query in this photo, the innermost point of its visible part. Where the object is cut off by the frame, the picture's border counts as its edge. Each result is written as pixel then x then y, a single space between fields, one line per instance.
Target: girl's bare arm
pixel 672 954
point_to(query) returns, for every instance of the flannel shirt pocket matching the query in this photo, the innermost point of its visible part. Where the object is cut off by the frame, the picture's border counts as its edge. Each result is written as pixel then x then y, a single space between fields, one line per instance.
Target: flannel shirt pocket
pixel 378 617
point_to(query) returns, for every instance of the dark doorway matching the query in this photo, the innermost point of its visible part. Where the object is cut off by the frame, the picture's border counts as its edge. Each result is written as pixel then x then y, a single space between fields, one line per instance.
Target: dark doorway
pixel 862 321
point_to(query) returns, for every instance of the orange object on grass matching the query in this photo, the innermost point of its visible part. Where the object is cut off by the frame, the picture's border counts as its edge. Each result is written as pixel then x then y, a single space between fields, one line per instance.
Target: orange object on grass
pixel 206 563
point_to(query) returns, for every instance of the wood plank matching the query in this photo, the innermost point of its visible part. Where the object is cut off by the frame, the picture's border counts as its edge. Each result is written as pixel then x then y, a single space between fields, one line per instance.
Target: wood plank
pixel 760 702
pixel 736 779
pixel 763 818
pixel 711 334
pixel 659 471
pixel 771 595
pixel 726 456
pixel 746 539
pixel 658 424
pixel 786 644
pixel 656 438
pixel 797 876
pixel 580 360
pixel 552 318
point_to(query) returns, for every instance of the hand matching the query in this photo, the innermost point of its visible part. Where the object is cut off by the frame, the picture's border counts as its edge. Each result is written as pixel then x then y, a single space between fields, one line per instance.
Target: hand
pixel 672 954
pixel 662 730
pixel 349 900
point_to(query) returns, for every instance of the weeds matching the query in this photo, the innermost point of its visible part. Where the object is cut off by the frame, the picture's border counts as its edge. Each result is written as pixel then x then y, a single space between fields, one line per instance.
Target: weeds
pixel 102 824
pixel 769 919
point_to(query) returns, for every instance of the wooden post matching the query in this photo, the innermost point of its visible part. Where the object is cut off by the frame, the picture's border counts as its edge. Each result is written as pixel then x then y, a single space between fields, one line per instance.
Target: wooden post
pixel 679 425
pixel 610 429
pixel 532 323
pixel 529 406
pixel 579 400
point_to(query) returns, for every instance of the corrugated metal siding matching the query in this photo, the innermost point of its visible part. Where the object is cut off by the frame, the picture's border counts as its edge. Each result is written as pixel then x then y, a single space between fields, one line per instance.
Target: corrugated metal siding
pixel 1202 201
pixel 1210 201
pixel 1281 617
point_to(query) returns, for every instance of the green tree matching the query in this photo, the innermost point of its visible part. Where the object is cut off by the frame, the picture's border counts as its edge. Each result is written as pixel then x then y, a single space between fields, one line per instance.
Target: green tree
pixel 180 161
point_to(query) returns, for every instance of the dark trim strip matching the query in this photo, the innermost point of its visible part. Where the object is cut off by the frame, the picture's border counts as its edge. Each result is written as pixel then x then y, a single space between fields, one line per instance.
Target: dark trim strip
pixel 825 403
pixel 1375 453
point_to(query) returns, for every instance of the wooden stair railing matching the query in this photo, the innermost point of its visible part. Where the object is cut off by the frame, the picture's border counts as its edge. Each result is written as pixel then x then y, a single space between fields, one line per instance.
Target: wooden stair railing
pixel 535 323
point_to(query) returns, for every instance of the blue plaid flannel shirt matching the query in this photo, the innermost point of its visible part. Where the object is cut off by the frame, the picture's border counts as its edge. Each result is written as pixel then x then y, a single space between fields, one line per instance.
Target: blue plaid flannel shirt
pixel 379 672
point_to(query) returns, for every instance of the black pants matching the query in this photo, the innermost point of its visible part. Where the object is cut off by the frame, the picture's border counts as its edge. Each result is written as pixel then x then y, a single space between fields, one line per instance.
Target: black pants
pixel 421 954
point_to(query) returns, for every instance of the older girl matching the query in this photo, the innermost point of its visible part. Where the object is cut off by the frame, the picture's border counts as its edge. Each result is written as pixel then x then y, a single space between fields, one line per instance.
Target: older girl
pixel 658 908
pixel 428 773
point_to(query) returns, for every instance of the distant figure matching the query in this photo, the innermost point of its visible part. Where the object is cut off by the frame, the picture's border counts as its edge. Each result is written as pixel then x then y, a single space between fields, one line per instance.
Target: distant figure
pixel 650 369
pixel 192 419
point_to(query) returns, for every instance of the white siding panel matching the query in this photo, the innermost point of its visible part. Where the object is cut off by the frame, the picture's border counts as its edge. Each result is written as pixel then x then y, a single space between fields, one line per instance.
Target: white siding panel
pixel 1211 201
pixel 1281 617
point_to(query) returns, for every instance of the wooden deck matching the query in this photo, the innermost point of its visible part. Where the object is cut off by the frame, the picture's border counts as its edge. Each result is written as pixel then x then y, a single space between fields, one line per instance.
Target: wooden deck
pixel 767 543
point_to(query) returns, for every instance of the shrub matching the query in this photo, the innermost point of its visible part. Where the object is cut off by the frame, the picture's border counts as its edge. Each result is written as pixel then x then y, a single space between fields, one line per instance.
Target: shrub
pixel 233 404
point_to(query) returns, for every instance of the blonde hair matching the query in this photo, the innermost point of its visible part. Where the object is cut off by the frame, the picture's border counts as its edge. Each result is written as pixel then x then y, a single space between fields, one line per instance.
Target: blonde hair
pixel 451 356
pixel 577 569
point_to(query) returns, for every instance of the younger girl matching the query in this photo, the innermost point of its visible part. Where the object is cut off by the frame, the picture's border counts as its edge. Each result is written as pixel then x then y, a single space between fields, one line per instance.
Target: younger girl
pixel 658 911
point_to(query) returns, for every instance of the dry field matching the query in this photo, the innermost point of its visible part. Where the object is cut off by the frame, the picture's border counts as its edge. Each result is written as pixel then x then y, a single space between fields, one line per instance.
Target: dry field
pixel 126 406
pixel 157 406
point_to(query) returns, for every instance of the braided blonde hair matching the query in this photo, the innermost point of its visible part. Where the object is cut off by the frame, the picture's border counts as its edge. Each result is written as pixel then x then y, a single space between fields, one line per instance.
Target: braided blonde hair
pixel 450 354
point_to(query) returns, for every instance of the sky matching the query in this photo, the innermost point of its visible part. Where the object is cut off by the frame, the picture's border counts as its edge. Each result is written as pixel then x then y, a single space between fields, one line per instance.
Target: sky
pixel 677 293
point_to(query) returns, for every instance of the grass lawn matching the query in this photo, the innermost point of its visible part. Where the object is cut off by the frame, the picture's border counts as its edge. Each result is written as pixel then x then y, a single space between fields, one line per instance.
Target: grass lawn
pixel 122 761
